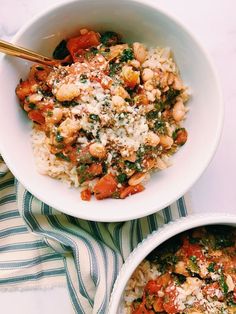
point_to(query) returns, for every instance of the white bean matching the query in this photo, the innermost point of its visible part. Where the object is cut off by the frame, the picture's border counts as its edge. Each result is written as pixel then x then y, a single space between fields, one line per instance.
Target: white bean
pixel 140 52
pixel 56 117
pixel 152 139
pixel 179 111
pixel 97 150
pixel 67 92
pixel 137 178
pixel 118 103
pixel 120 91
pixel 148 85
pixel 166 141
pixel 147 74
pixel 160 164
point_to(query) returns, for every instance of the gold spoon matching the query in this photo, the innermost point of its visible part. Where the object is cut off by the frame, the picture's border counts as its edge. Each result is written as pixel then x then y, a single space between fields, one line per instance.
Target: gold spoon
pixel 20 52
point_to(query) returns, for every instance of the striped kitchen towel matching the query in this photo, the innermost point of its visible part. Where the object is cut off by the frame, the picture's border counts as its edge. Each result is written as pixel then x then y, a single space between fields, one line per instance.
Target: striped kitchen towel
pixel 41 247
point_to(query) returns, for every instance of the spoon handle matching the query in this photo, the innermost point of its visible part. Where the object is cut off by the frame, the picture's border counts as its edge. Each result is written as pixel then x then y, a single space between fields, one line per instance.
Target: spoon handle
pixel 24 53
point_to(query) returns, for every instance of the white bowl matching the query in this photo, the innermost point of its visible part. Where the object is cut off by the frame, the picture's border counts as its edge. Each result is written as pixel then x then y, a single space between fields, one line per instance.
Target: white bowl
pixel 137 21
pixel 116 305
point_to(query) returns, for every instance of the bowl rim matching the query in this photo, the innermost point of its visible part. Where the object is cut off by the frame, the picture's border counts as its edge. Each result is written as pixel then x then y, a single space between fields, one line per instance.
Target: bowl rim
pixel 156 238
pixel 129 215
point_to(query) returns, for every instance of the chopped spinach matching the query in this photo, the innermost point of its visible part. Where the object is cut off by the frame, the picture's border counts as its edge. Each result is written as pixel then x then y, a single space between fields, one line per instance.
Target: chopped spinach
pixel 171 95
pixel 40 68
pixel 223 284
pixel 110 38
pixel 94 50
pixel 151 115
pixel 31 105
pixel 61 51
pixel 211 267
pixel 222 235
pixel 104 167
pixel 180 279
pixel 164 254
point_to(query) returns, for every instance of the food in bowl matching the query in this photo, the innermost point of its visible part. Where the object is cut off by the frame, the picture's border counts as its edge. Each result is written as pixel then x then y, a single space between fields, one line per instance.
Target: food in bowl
pixel 193 272
pixel 107 116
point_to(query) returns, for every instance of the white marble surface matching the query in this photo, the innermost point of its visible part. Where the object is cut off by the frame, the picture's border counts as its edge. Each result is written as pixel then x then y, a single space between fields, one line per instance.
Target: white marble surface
pixel 214 23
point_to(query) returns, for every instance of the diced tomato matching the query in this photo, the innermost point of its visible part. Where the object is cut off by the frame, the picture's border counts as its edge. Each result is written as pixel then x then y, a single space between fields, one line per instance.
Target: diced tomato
pixel 85 195
pixel 152 287
pixel 212 290
pixel 158 305
pixel 141 310
pixel 104 80
pixel 164 280
pixel 71 152
pixel 130 190
pixel 46 107
pixel 77 44
pixel 23 89
pixel 190 249
pixel 84 156
pixel 181 137
pixel 141 100
pixel 36 116
pixel 105 187
pixel 95 169
pixel 169 299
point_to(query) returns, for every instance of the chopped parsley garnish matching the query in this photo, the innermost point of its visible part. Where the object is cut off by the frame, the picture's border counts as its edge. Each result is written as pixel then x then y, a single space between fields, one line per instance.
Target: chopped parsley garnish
pixel 114 68
pixel 49 113
pixel 175 133
pixel 193 258
pixel 160 126
pixel 122 178
pixel 127 55
pixel 94 50
pixel 133 165
pixel 59 138
pixel 159 106
pixel 94 117
pixel 62 156
pixel 91 53
pixel 192 265
pixel 83 78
